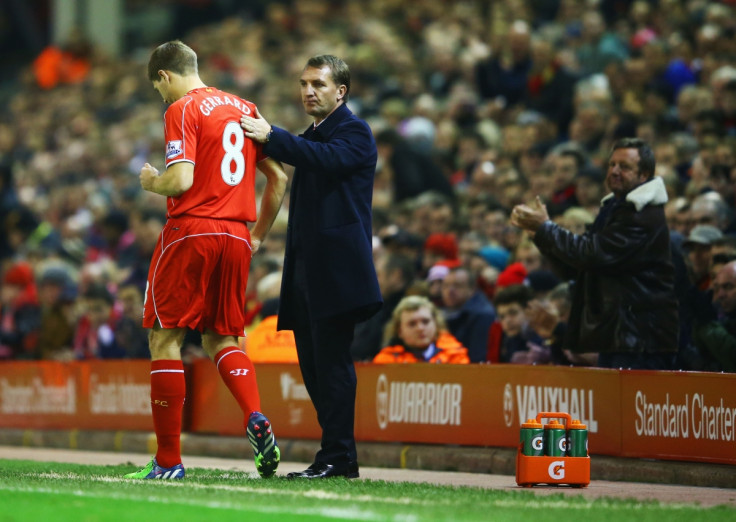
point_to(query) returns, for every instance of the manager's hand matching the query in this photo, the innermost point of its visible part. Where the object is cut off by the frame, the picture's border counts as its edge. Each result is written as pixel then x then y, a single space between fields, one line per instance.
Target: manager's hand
pixel 257 129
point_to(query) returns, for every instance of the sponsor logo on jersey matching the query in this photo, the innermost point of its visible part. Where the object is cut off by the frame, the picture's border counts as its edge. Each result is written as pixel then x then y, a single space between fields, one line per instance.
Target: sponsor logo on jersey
pixel 173 149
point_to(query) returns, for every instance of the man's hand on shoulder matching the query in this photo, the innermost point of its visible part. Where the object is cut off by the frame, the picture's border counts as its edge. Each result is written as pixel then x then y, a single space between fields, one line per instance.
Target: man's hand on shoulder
pixel 257 129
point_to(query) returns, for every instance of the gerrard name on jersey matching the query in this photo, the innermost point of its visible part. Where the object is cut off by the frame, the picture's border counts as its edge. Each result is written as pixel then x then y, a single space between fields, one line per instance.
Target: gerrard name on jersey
pixel 210 103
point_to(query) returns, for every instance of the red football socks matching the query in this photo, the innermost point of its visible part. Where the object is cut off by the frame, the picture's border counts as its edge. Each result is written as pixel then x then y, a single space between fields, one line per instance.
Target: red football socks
pixel 238 373
pixel 168 391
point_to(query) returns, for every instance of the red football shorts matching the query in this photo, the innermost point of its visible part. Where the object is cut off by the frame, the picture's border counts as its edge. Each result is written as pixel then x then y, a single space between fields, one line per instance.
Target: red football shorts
pixel 198 276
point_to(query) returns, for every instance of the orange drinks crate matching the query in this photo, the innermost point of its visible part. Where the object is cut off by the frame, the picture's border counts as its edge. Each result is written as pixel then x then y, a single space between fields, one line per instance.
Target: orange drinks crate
pixel 562 470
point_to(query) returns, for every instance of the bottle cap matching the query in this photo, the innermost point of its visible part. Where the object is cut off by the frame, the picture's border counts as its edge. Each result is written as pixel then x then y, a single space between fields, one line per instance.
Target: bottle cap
pixel 531 423
pixel 554 425
pixel 577 425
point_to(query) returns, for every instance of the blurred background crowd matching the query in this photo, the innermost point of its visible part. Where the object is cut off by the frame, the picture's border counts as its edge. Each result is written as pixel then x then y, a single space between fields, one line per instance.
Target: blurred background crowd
pixel 475 105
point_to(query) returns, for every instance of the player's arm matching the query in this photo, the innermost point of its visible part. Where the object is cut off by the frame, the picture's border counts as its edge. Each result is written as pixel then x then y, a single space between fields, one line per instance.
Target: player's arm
pixel 174 181
pixel 271 200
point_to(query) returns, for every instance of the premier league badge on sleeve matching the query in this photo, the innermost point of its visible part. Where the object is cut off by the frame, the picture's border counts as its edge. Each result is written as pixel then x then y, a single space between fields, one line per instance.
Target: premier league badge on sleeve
pixel 173 149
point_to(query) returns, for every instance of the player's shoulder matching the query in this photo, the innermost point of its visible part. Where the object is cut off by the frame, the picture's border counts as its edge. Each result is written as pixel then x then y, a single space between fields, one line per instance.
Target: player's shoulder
pixel 180 104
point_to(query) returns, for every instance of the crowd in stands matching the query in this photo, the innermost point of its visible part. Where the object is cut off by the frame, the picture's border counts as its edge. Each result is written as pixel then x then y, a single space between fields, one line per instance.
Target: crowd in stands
pixel 475 106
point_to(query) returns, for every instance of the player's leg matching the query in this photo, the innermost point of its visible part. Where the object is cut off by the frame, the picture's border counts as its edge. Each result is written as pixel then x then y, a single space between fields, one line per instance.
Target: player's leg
pixel 235 369
pixel 223 318
pixel 238 374
pixel 167 403
pixel 172 300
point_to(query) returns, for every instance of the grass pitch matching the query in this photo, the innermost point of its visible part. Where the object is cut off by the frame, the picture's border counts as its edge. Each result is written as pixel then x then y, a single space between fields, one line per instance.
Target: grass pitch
pixel 62 492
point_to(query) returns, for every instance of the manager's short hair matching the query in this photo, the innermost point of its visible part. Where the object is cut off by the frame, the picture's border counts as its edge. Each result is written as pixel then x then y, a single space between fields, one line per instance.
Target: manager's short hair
pixel 340 70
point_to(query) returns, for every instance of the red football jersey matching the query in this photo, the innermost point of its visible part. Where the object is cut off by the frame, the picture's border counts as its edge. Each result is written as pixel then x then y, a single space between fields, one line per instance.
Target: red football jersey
pixel 203 128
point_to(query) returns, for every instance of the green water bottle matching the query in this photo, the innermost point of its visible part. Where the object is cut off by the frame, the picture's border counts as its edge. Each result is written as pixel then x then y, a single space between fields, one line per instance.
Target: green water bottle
pixel 555 439
pixel 577 439
pixel 532 438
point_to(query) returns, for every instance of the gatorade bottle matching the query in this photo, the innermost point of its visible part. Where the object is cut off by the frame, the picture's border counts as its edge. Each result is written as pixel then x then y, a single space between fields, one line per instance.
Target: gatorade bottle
pixel 578 439
pixel 555 439
pixel 532 438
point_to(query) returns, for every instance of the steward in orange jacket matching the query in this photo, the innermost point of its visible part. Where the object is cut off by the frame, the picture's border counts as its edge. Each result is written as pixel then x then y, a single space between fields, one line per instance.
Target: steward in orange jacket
pixel 447 350
pixel 264 344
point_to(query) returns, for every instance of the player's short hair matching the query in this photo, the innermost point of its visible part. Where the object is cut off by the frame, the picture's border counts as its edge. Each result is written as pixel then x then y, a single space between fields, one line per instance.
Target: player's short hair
pixel 174 56
pixel 340 70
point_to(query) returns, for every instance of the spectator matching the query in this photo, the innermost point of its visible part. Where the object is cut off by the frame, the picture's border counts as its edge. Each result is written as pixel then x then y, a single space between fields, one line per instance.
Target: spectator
pixel 435 277
pixel 417 333
pixel 410 171
pixel 716 338
pixel 263 342
pixel 395 275
pixel 565 168
pixel 528 254
pixel 69 63
pixel 589 188
pixel 94 336
pixel 57 294
pixel 468 312
pixel 599 47
pixel 439 247
pixel 130 336
pixel 698 247
pixel 20 314
pixel 146 226
pixel 726 245
pixel 710 209
pixel 517 343
pixel 502 78
pixel 514 274
pixel 575 219
pixel 624 303
pixel 549 86
pixel 8 202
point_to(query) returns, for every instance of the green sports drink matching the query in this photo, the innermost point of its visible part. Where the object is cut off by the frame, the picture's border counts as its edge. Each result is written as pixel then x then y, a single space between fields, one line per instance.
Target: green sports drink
pixel 555 439
pixel 577 439
pixel 532 438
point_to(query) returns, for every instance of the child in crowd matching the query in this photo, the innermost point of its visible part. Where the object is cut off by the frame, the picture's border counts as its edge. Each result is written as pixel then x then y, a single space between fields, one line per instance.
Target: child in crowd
pixel 512 339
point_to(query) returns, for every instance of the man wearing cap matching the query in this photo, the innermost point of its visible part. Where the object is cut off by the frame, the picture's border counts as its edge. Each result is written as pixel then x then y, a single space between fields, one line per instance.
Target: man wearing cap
pixel 623 301
pixel 698 246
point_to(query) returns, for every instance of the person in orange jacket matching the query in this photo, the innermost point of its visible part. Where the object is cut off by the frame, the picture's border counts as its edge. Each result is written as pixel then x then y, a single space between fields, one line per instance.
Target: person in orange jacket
pixel 263 342
pixel 417 333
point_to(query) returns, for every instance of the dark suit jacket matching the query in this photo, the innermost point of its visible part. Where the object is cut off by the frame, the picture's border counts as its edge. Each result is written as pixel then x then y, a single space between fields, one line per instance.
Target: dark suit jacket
pixel 330 217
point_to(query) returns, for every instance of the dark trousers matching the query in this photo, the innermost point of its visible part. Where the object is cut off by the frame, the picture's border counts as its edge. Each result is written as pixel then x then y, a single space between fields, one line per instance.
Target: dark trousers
pixel 323 347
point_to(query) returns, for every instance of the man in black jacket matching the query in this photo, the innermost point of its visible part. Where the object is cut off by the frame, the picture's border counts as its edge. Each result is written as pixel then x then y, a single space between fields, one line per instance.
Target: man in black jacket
pixel 623 301
pixel 329 281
